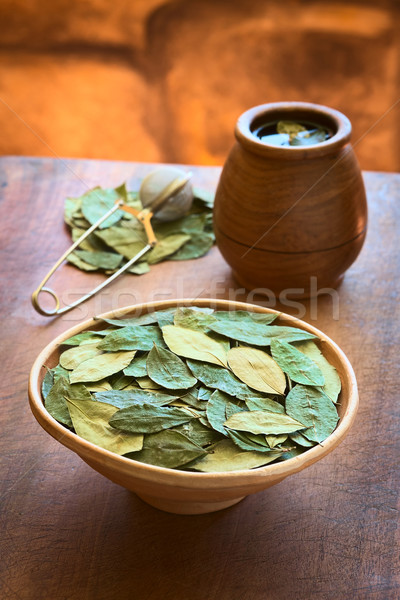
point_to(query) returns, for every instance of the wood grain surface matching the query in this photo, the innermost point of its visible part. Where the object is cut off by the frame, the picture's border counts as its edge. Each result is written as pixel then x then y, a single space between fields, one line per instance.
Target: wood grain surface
pixel 327 533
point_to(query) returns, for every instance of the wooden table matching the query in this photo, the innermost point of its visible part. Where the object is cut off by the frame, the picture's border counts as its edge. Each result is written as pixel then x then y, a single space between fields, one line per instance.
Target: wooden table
pixel 329 532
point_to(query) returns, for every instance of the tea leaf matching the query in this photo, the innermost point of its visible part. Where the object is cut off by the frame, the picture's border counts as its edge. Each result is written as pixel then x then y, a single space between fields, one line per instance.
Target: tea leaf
pixel 127 242
pixel 137 368
pixel 299 438
pixel 166 247
pixel 74 259
pixel 264 404
pixel 147 384
pixel 97 202
pixel 84 337
pixel 332 385
pixel 101 260
pixel 226 456
pixel 244 317
pixel 148 418
pixel 101 366
pixel 198 433
pixel 193 319
pixel 132 337
pixel 258 334
pixel 257 369
pixel 124 398
pixel 197 245
pixel 264 422
pixel 215 411
pixel 90 421
pixel 55 402
pixel 314 409
pixel 276 440
pixel 168 370
pixel 73 357
pixel 194 344
pixel 221 379
pixel 168 449
pixel 245 443
pixel 297 365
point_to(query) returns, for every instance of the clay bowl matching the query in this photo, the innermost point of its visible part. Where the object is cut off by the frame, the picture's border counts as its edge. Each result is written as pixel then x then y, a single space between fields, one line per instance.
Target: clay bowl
pixel 186 492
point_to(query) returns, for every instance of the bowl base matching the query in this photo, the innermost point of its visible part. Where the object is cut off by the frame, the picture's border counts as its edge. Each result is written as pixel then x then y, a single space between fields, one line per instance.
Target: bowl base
pixel 187 507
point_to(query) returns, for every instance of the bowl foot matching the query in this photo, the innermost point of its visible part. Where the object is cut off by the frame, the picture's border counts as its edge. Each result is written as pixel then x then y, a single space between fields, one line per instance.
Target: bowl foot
pixel 187 507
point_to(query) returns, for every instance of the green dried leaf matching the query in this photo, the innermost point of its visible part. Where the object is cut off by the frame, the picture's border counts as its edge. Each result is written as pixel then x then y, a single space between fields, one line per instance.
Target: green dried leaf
pixel 149 418
pixel 127 242
pixel 137 368
pixel 276 440
pixel 90 421
pixel 332 385
pixel 315 409
pixel 198 245
pixel 101 260
pixel 194 344
pixel 101 366
pixel 216 412
pixel 244 317
pixel 257 369
pixel 168 449
pixel 84 337
pixel 125 398
pixel 132 337
pixel 297 365
pixel 97 202
pixel 264 422
pixel 166 247
pixel 55 402
pixel 226 456
pixel 73 357
pixel 193 319
pixel 264 404
pixel 168 370
pixel 74 259
pixel 221 379
pixel 198 433
pixel 242 440
pixel 258 334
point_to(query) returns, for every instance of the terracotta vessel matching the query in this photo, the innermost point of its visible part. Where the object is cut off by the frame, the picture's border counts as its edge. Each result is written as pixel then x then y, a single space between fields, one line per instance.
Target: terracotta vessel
pixel 290 217
pixel 180 491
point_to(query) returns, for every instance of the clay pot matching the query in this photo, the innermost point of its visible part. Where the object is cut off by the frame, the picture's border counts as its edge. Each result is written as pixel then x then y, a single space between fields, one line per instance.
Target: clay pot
pixel 290 218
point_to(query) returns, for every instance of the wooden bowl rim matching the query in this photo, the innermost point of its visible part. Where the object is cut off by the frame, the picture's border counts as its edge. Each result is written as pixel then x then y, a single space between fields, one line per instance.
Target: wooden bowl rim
pixel 176 478
pixel 244 134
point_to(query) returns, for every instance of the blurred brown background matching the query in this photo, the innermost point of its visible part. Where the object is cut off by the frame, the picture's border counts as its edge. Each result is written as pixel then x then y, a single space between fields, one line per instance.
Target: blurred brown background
pixel 165 80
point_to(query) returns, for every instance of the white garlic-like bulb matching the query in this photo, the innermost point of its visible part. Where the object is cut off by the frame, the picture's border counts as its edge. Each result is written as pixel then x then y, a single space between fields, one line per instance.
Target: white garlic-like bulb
pixel 167 192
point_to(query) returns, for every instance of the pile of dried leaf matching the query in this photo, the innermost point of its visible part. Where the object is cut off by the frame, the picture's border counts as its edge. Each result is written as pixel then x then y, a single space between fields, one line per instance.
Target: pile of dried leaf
pixel 195 389
pixel 122 236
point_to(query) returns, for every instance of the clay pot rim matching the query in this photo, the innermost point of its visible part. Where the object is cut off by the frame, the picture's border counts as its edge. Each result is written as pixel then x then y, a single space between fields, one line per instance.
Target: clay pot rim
pixel 303 111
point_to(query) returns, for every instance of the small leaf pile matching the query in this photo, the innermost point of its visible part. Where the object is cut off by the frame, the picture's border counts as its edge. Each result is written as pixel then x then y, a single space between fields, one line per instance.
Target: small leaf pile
pixel 196 389
pixel 120 237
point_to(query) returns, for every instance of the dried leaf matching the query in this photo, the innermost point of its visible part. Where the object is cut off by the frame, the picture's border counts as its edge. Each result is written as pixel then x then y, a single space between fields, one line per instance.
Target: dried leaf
pixel 132 337
pixel 257 369
pixel 193 319
pixel 297 365
pixel 226 456
pixel 101 366
pixel 90 421
pixel 167 246
pixel 198 245
pixel 101 260
pixel 137 368
pixel 73 357
pixel 55 402
pixel 258 334
pixel 124 398
pixel 168 370
pixel 168 449
pixel 332 385
pixel 264 422
pixel 97 202
pixel 216 412
pixel 149 418
pixel 194 344
pixel 314 409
